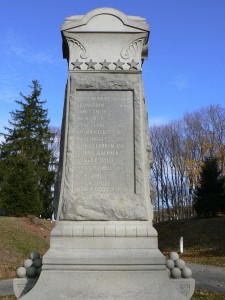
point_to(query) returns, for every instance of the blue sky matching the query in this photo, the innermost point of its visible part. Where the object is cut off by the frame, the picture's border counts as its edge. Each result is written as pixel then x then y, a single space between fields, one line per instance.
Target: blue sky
pixel 185 69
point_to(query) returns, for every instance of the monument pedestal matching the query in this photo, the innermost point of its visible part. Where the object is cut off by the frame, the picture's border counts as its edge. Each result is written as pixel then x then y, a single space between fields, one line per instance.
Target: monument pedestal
pixel 104 245
pixel 129 285
pixel 102 261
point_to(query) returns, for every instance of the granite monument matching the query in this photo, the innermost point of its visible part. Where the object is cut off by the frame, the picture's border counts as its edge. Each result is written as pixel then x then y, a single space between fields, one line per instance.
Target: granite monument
pixel 104 245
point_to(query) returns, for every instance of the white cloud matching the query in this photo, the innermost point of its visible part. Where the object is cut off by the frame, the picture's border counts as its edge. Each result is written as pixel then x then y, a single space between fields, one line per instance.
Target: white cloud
pixel 19 47
pixel 18 53
pixel 9 83
pixel 158 120
pixel 181 82
pixel 40 57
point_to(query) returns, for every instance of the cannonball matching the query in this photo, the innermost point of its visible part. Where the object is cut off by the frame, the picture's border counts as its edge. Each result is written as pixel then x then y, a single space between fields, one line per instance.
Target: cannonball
pixel 174 256
pixel 170 264
pixel 186 272
pixel 37 263
pixel 175 273
pixel 34 255
pixel 39 271
pixel 28 263
pixel 179 263
pixel 168 271
pixel 21 272
pixel 31 272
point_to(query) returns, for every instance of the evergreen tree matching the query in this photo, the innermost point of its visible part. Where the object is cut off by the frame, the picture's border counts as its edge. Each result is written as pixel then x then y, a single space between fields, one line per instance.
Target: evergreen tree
pixel 19 189
pixel 29 138
pixel 209 195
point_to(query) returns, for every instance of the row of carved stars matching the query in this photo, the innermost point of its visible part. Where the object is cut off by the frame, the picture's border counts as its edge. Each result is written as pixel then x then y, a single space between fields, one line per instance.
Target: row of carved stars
pixel 105 64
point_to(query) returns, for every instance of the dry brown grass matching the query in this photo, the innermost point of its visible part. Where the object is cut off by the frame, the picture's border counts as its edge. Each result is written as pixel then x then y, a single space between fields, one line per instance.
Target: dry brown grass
pixel 204 240
pixel 207 295
pixel 19 237
pixel 197 295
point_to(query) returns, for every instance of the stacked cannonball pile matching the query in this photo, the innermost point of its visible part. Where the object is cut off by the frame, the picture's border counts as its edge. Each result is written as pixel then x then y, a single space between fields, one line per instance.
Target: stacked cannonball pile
pixel 31 266
pixel 177 267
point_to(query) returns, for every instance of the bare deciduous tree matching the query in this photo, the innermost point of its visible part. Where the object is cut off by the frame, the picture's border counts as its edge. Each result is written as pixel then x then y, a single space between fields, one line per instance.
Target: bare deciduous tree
pixel 179 148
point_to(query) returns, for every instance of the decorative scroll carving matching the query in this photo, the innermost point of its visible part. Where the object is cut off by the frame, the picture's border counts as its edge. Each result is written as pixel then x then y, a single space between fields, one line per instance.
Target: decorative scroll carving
pixel 133 49
pixel 21 286
pixel 74 43
pixel 184 289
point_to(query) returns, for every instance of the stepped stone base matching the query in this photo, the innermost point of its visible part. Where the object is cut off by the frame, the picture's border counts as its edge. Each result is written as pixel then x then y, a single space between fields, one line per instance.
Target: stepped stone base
pixel 21 286
pixel 122 285
pixel 92 267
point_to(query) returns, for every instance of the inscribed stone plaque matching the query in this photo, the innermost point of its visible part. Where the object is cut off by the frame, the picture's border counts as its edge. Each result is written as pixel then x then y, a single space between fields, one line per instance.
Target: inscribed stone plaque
pixel 104 142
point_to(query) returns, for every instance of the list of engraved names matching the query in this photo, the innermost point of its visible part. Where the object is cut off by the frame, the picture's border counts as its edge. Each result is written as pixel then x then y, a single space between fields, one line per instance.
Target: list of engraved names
pixel 103 142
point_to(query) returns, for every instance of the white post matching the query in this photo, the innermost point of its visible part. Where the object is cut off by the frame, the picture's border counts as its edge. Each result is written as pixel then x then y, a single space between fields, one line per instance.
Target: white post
pixel 181 245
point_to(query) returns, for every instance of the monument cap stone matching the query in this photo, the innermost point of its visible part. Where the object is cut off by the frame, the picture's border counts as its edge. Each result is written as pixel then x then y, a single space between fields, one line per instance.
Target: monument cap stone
pixel 115 45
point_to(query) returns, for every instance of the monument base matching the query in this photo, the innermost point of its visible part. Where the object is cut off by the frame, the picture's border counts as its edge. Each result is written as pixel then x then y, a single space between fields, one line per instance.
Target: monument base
pixel 122 285
pixel 83 265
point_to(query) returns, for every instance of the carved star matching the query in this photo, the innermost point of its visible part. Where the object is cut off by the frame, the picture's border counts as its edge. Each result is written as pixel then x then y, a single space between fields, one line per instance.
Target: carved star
pixel 91 64
pixel 76 64
pixel 105 64
pixel 133 65
pixel 119 64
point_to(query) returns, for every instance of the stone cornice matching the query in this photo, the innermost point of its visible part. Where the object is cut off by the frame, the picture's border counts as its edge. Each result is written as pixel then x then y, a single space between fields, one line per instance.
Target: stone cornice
pixel 105 40
pixel 130 23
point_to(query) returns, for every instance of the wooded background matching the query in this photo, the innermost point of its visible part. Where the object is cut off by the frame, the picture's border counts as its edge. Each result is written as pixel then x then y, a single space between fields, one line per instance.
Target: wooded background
pixel 179 150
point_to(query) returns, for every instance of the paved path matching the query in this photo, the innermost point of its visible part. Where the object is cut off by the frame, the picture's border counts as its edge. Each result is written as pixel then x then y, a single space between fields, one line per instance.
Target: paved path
pixel 208 278
pixel 6 287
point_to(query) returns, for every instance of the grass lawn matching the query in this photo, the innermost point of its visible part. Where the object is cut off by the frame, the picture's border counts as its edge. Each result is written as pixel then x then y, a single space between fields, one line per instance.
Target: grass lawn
pixel 19 237
pixel 207 295
pixel 197 295
pixel 204 243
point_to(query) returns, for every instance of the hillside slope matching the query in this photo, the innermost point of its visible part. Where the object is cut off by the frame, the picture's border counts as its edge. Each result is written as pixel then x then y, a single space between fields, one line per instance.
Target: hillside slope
pixel 19 237
pixel 204 239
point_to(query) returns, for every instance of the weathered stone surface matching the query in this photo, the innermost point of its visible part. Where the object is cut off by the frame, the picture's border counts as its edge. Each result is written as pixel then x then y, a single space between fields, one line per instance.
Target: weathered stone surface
pixel 99 207
pixel 37 263
pixel 185 287
pixel 112 285
pixel 34 255
pixel 128 155
pixel 27 263
pixel 103 134
pixel 140 176
pixel 170 264
pixel 186 272
pixel 179 263
pixel 31 272
pixel 104 245
pixel 21 286
pixel 115 45
pixel 174 256
pixel 21 272
pixel 175 273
